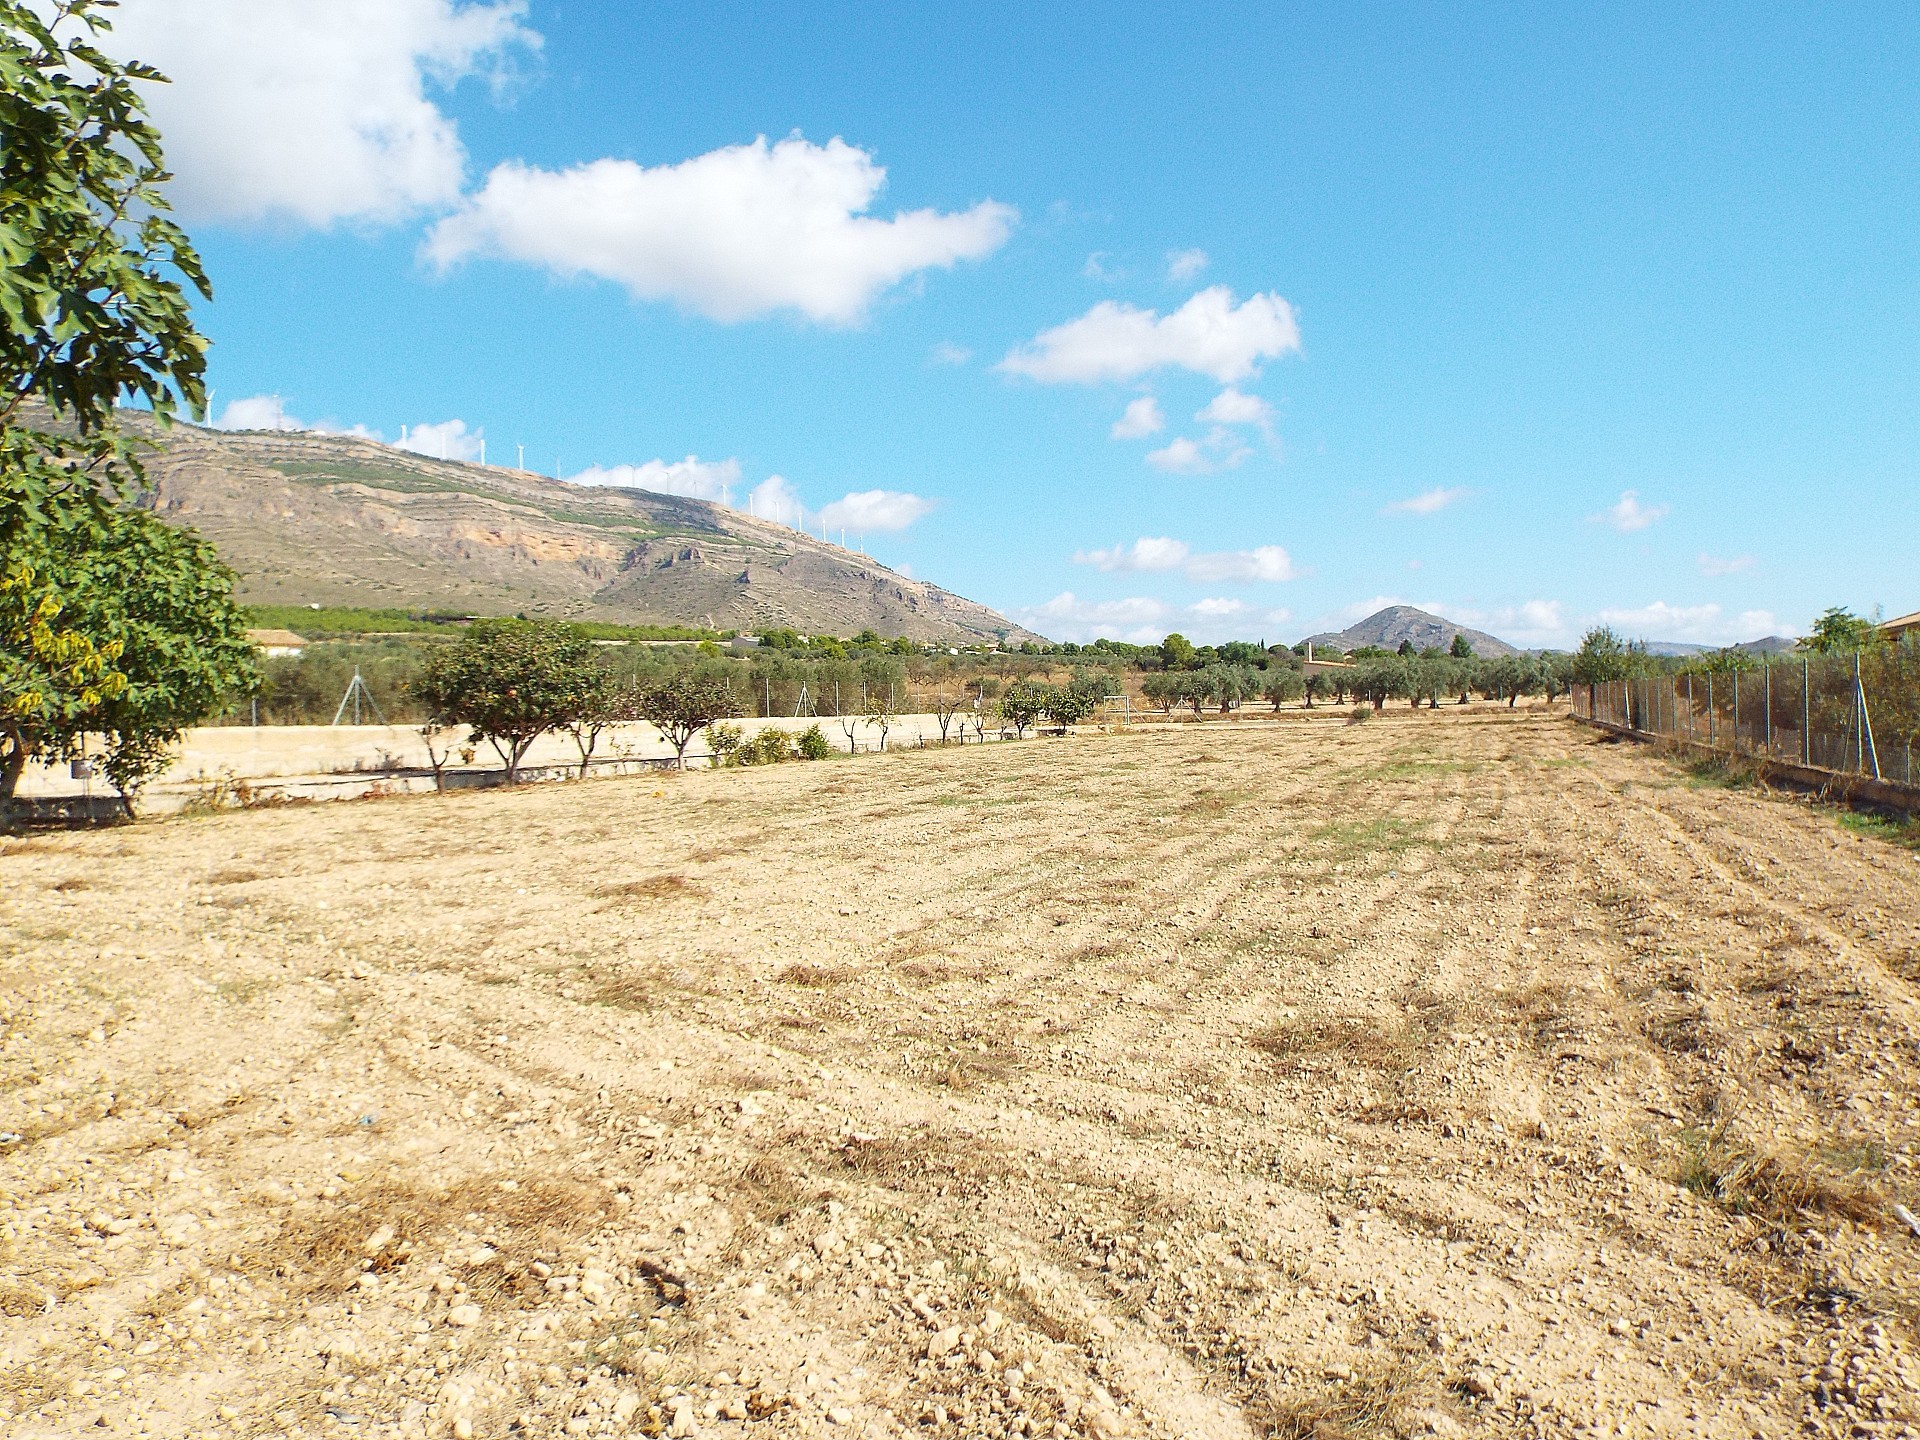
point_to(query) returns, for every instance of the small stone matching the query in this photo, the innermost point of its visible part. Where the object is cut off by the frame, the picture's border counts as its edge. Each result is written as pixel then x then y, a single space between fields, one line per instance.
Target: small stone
pixel 944 1342
pixel 840 1415
pixel 1482 1384
pixel 463 1429
pixel 464 1316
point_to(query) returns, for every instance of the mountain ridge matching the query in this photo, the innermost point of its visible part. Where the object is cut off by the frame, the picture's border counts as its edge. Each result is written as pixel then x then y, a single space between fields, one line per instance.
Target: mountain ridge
pixel 1396 623
pixel 307 518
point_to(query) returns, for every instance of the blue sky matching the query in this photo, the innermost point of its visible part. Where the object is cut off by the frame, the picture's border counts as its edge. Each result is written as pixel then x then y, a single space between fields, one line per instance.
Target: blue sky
pixel 1233 320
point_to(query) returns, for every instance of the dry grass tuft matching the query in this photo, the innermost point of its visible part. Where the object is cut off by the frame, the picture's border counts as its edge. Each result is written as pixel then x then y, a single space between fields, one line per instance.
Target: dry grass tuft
pixel 1778 1186
pixel 324 1250
pixel 1382 1041
pixel 653 887
pixel 1377 1400
pixel 71 883
pixel 815 976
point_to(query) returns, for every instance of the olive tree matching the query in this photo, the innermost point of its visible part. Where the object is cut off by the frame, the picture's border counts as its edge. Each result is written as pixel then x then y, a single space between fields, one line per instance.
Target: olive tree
pixel 1281 684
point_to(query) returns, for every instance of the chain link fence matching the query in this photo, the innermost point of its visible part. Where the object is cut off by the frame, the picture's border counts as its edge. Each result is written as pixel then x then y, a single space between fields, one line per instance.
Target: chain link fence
pixel 1848 714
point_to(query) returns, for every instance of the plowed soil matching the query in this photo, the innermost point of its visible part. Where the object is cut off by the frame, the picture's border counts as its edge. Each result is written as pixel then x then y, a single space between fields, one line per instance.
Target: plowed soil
pixel 1449 1073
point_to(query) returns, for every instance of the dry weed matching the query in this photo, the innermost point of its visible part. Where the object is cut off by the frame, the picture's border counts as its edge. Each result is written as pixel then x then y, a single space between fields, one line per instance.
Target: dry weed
pixel 1377 1400
pixel 816 976
pixel 653 887
pixel 326 1250
pixel 1777 1185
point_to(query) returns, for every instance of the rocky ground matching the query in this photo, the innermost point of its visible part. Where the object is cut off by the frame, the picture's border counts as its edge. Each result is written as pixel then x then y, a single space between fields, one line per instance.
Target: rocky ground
pixel 1447 1073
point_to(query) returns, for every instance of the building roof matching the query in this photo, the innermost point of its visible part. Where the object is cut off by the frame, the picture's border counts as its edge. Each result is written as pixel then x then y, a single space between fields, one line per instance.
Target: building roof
pixel 274 639
pixel 1903 625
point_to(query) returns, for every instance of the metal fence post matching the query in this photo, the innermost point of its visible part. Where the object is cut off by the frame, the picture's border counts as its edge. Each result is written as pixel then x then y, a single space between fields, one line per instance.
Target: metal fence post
pixel 1866 718
pixel 1806 710
pixel 1766 676
pixel 1736 712
pixel 1713 717
pixel 1689 707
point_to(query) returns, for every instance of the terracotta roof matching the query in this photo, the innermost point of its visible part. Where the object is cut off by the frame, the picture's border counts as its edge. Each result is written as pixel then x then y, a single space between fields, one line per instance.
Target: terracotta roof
pixel 1902 625
pixel 275 638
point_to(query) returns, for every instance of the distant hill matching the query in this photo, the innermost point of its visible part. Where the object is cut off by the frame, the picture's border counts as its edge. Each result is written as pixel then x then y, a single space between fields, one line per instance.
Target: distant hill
pixel 1770 645
pixel 340 520
pixel 1387 628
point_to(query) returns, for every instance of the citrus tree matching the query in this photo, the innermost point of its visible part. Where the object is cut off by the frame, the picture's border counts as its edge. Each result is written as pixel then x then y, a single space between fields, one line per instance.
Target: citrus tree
pixel 116 625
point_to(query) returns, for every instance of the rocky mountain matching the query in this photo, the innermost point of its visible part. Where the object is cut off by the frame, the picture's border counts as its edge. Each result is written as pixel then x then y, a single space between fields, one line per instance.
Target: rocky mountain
pixel 1387 628
pixel 339 520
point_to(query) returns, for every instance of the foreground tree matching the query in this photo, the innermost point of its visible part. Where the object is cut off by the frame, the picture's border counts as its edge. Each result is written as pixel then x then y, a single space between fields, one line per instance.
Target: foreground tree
pixel 1069 705
pixel 115 624
pixel 1281 684
pixel 684 705
pixel 510 682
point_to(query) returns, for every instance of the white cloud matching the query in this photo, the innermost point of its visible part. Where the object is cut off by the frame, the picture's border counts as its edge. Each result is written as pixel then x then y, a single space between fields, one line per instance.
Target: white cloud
pixel 693 477
pixel 1266 564
pixel 444 440
pixel 1231 407
pixel 1219 450
pixel 1143 417
pixel 1715 566
pixel 269 412
pixel 1428 502
pixel 1144 620
pixel 1096 267
pixel 1209 335
pixel 313 113
pixel 1628 514
pixel 877 510
pixel 1146 553
pixel 1217 607
pixel 774 498
pixel 947 353
pixel 1185 264
pixel 734 234
pixel 1690 624
pixel 257 412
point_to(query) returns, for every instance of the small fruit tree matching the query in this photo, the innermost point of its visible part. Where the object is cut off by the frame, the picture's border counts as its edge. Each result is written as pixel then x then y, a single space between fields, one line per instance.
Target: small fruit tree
pixel 511 681
pixel 684 705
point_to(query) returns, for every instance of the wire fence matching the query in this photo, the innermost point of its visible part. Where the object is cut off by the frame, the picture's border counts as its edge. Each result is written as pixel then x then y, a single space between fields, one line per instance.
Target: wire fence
pixel 1849 714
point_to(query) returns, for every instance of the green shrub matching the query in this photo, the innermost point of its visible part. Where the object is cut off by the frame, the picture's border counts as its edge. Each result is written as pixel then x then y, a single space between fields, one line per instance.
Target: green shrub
pixel 813 745
pixel 769 747
pixel 725 741
pixel 1359 714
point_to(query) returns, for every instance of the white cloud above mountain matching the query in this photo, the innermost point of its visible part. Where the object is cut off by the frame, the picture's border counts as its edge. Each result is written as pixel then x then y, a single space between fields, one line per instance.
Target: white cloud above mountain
pixel 865 511
pixel 313 114
pixel 693 477
pixel 1265 564
pixel 444 440
pixel 1692 624
pixel 1145 620
pixel 1209 335
pixel 734 234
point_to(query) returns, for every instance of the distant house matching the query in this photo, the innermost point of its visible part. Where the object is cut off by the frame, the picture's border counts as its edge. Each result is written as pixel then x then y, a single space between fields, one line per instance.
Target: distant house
pixel 1899 629
pixel 743 642
pixel 277 644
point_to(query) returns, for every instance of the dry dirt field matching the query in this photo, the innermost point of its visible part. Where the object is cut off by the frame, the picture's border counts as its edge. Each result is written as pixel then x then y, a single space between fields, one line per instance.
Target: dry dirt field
pixel 1451 1073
